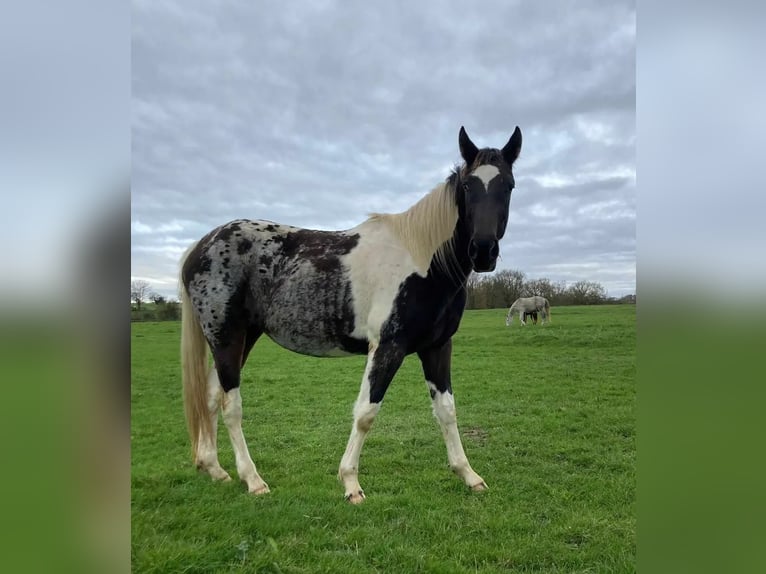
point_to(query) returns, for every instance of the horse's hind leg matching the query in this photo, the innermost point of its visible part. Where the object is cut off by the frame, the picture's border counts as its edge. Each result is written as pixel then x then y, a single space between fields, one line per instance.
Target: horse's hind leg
pixel 228 362
pixel 207 449
pixel 232 416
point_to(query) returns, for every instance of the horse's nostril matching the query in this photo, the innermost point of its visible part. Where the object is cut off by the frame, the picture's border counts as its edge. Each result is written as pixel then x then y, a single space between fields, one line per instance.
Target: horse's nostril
pixel 473 250
pixel 494 251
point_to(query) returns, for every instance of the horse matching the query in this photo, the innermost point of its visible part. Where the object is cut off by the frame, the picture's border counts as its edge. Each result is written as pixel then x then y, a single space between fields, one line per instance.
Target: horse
pixel 525 305
pixel 392 286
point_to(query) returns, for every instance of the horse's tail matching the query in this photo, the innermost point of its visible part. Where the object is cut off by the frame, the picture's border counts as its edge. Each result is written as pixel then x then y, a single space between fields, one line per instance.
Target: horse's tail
pixel 548 310
pixel 194 368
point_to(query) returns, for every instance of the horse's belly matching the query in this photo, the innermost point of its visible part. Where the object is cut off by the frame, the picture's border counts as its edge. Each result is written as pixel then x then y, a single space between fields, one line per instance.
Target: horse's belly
pixel 315 346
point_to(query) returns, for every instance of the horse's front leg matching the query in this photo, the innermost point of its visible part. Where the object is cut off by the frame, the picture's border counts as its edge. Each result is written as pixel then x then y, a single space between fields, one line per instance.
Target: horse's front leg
pixel 383 360
pixel 436 368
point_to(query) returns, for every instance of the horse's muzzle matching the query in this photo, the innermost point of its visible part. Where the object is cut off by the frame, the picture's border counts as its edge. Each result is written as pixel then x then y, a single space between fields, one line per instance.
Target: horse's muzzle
pixel 483 253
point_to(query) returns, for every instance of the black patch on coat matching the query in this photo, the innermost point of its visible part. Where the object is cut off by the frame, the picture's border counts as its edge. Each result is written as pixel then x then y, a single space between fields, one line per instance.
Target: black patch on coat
pixel 226 231
pixel 310 243
pixel 344 323
pixel 385 363
pixel 322 248
pixel 197 262
pixel 436 363
pixel 244 246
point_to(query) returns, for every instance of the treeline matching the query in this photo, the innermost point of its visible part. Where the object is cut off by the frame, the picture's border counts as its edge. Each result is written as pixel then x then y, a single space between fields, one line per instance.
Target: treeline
pixel 161 310
pixel 494 291
pixel 504 287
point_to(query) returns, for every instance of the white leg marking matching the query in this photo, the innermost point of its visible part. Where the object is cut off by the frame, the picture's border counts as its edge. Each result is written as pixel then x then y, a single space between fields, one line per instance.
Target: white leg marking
pixel 207 448
pixel 364 415
pixel 444 410
pixel 232 416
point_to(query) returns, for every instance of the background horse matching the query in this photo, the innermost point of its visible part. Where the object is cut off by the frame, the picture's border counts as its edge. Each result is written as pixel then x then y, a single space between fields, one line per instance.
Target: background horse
pixel 392 286
pixel 525 305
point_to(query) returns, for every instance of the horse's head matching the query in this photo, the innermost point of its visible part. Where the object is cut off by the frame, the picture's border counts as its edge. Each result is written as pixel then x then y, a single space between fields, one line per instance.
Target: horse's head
pixel 484 191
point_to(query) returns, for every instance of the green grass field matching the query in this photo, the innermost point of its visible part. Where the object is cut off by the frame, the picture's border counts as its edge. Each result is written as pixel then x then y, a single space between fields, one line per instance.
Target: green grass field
pixel 547 415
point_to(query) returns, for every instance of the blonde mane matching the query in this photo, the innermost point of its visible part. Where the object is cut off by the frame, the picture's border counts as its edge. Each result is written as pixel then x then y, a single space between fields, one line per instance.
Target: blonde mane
pixel 426 229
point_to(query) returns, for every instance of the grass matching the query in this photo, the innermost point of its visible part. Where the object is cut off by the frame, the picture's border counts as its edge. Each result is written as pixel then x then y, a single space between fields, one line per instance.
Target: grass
pixel 547 415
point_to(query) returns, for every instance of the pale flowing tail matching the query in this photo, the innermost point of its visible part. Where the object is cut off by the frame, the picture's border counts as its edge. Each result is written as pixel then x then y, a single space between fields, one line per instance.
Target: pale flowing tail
pixel 194 366
pixel 548 311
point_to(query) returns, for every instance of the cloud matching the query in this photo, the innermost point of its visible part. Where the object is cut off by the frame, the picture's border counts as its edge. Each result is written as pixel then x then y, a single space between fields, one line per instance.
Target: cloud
pixel 317 114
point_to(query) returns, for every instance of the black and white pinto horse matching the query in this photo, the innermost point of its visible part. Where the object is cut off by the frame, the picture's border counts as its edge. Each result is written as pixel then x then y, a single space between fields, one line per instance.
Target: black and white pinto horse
pixel 392 286
pixel 524 306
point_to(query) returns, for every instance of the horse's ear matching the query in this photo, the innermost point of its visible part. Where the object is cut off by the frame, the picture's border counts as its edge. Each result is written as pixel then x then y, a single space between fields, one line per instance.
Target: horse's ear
pixel 467 149
pixel 513 147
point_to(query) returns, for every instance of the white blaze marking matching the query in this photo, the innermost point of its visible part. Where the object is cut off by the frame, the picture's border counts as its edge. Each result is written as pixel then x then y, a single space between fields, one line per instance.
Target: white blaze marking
pixel 486 173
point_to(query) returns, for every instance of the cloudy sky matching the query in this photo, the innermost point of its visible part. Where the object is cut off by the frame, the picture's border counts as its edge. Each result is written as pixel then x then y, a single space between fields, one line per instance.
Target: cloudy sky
pixel 317 113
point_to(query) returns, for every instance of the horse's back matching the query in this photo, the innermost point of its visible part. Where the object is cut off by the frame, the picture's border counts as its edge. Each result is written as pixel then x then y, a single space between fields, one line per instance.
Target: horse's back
pixel 320 293
pixel 278 279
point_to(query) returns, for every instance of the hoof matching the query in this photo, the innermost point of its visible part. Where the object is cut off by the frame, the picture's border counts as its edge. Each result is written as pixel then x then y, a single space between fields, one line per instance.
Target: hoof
pixel 217 473
pixel 355 497
pixel 480 487
pixel 259 489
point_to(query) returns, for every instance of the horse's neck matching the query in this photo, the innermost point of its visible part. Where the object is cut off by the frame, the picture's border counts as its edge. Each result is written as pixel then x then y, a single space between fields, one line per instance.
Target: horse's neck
pixel 454 267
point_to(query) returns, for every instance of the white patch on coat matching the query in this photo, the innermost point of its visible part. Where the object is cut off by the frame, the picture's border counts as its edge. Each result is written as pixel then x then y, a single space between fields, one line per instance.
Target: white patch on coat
pixel 377 267
pixel 425 229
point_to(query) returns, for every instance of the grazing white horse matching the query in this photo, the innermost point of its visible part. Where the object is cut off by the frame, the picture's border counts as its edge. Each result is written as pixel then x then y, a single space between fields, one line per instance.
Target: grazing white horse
pixel 529 305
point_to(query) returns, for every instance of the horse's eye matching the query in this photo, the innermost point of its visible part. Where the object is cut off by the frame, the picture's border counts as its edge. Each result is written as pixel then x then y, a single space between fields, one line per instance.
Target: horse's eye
pixel 465 187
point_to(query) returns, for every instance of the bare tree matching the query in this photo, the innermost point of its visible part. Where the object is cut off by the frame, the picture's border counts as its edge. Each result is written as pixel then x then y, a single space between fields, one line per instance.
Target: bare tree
pixel 139 290
pixel 504 287
pixel 510 283
pixel 587 293
pixel 472 288
pixel 540 288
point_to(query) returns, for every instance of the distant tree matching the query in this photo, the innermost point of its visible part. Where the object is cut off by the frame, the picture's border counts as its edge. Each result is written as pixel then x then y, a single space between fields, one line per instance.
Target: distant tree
pixel 586 293
pixel 139 290
pixel 511 285
pixel 541 288
pixel 472 288
pixel 504 287
pixel 559 293
pixel 157 299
